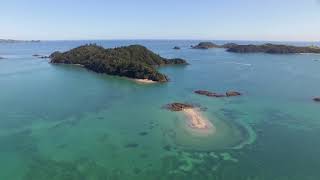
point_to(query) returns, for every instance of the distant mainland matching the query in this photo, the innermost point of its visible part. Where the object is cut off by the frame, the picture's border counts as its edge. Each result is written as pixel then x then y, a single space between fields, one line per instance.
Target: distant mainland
pixel 17 41
pixel 264 48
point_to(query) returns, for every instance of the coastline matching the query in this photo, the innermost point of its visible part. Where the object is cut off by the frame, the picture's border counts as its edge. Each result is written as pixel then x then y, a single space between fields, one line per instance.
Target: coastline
pixel 144 81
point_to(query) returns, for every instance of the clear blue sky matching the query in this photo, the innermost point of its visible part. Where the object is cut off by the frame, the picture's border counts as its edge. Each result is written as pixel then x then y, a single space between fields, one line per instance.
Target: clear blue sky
pixel 292 20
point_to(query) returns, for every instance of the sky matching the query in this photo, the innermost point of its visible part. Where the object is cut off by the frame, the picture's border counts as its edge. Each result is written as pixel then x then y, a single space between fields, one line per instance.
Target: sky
pixel 273 20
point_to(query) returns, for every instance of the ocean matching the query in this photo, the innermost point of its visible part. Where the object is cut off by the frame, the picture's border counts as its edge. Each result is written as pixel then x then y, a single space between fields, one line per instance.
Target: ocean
pixel 61 122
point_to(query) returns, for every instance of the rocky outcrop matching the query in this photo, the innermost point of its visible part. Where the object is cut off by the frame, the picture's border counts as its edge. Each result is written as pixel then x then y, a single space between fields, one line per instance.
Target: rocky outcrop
pixel 205 45
pixel 133 61
pixel 316 99
pixel 178 106
pixel 213 94
pixel 232 93
pixel 40 56
pixel 208 93
pixel 176 48
pixel 273 49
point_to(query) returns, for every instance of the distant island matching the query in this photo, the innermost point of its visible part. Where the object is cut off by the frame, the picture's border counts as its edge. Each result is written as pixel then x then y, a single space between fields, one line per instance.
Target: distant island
pixel 264 48
pixel 273 49
pixel 17 41
pixel 205 45
pixel 133 61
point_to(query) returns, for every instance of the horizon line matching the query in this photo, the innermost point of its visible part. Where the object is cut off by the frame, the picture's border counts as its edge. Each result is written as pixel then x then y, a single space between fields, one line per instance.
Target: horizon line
pixel 161 39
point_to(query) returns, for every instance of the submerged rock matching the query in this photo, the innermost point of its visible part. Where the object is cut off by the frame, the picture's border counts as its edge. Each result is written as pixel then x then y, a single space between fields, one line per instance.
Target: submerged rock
pixel 131 145
pixel 167 147
pixel 143 133
pixel 232 93
pixel 178 106
pixel 208 93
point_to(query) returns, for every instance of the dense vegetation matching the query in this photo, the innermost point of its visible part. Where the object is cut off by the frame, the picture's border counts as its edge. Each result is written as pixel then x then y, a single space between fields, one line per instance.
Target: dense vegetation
pixel 205 45
pixel 265 48
pixel 273 49
pixel 133 61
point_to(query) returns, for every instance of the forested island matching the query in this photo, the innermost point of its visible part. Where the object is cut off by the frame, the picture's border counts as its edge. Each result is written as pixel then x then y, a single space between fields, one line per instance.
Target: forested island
pixel 273 49
pixel 264 48
pixel 133 61
pixel 205 45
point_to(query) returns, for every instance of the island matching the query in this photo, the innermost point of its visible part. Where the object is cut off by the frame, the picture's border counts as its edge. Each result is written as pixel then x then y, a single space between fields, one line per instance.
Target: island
pixel 206 45
pixel 273 49
pixel 134 61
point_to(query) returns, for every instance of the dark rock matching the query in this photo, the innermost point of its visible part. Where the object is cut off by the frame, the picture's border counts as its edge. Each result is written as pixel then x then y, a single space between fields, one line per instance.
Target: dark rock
pixel 178 106
pixel 233 93
pixel 40 56
pixel 205 45
pixel 208 93
pixel 176 48
pixel 2 58
pixel 273 49
pixel 133 61
pixel 316 99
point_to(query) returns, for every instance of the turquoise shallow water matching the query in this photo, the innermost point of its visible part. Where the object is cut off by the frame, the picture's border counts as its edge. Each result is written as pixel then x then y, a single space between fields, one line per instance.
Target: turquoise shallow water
pixel 64 122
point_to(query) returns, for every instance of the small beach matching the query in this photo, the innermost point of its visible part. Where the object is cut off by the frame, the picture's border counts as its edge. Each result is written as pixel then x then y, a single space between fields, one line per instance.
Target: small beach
pixel 197 122
pixel 144 81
